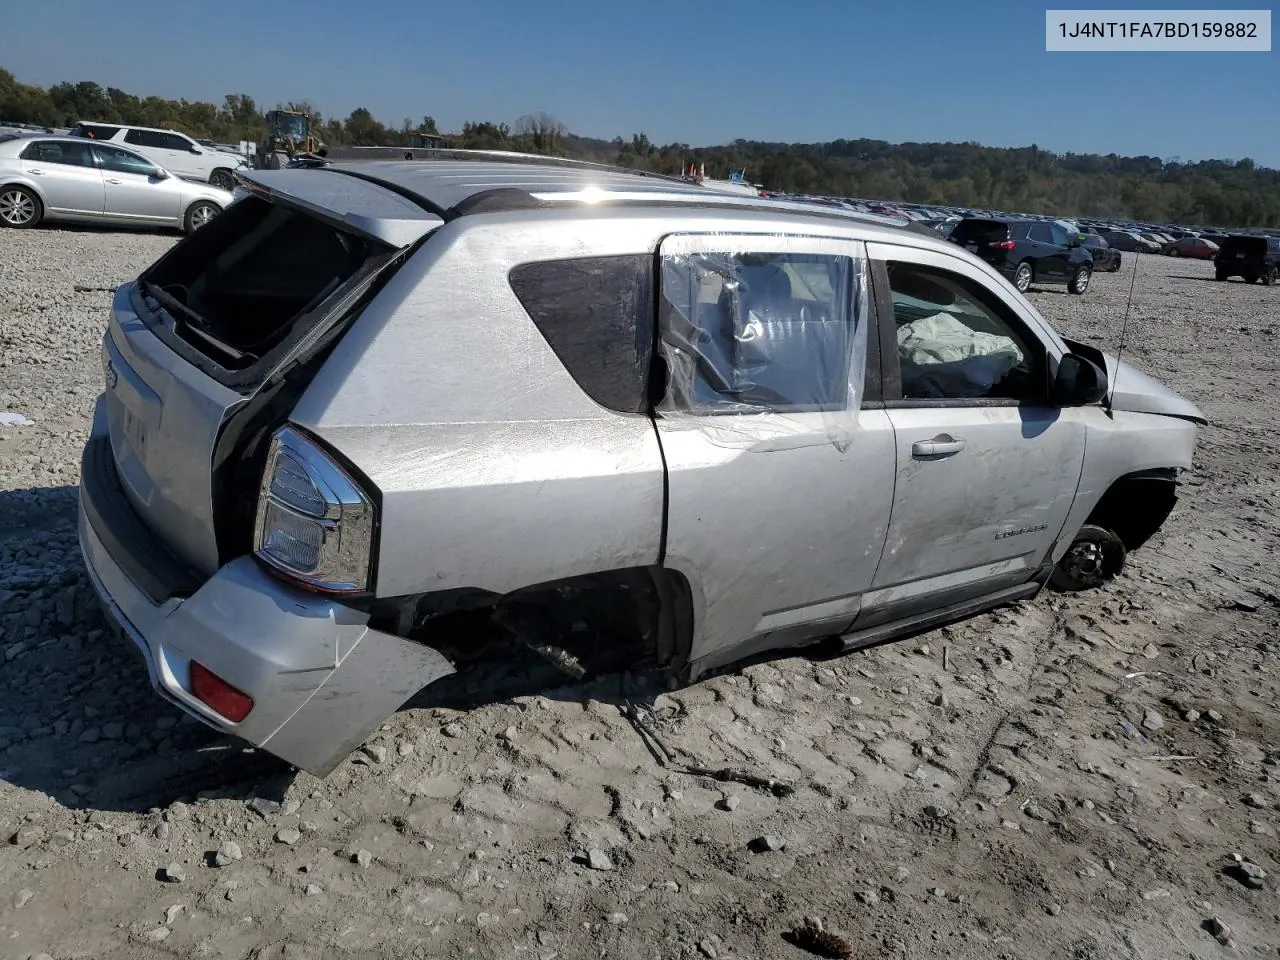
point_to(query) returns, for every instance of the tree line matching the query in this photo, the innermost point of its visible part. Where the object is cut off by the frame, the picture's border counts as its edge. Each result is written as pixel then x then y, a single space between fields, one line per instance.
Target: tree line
pixel 1235 193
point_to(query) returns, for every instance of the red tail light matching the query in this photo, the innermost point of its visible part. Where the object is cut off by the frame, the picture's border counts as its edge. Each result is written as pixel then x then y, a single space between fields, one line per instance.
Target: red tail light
pixel 1001 245
pixel 214 692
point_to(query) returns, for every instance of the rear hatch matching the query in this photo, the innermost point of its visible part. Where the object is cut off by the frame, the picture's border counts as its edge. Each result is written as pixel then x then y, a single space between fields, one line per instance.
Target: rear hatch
pixel 209 334
pixel 988 239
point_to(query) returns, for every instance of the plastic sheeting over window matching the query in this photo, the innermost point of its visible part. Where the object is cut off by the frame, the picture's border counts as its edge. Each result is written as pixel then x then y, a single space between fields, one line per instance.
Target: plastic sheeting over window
pixel 764 338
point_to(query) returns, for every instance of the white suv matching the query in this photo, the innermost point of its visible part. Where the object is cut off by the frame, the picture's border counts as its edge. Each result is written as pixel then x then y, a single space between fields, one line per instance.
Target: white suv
pixel 175 152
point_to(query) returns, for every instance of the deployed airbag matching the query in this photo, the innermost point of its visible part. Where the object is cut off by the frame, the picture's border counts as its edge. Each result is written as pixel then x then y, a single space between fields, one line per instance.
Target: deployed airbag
pixel 944 357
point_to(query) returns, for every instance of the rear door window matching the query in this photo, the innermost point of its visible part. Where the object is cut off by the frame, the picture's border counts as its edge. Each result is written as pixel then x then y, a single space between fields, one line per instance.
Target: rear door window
pixel 1040 233
pixel 597 314
pixel 980 231
pixel 60 152
pixel 146 138
pixel 762 331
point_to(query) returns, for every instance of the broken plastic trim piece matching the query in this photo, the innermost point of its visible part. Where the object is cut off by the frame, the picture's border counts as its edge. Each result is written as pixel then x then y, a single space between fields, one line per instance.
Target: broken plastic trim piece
pixel 528 623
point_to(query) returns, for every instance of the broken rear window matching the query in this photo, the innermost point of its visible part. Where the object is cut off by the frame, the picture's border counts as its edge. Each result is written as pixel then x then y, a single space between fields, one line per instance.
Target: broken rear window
pixel 254 279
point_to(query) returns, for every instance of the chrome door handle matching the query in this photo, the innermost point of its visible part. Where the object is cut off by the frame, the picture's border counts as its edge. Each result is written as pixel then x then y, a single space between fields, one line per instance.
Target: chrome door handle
pixel 943 445
pixel 36 173
pixel 112 180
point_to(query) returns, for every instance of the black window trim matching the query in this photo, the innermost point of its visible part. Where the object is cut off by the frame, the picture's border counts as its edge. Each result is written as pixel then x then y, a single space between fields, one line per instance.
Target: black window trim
pixel 647 398
pixel 885 322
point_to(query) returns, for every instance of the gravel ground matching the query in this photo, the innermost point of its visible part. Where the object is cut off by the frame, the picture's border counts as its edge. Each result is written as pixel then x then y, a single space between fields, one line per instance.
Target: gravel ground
pixel 1087 777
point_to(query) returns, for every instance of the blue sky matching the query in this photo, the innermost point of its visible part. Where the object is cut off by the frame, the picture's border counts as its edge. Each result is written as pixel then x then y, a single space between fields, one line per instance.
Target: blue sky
pixel 699 73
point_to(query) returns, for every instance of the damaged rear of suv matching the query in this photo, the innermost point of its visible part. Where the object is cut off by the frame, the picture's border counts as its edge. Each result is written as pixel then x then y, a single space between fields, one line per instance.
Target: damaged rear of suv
pixel 382 420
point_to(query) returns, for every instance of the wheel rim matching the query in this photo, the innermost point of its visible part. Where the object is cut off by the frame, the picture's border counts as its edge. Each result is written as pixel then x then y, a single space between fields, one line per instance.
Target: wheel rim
pixel 1084 561
pixel 1022 278
pixel 1082 281
pixel 16 208
pixel 201 215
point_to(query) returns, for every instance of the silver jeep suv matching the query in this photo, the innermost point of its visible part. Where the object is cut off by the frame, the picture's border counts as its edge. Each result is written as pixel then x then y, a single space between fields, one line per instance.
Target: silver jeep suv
pixel 382 419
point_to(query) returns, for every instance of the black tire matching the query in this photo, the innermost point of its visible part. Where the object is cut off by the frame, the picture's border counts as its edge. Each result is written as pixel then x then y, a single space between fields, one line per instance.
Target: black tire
pixel 1172 251
pixel 1269 277
pixel 223 179
pixel 1250 278
pixel 1095 556
pixel 1023 276
pixel 1079 281
pixel 198 215
pixel 1219 274
pixel 20 208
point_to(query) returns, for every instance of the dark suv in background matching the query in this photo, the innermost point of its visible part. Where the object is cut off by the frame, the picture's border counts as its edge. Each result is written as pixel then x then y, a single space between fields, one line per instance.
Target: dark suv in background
pixel 1028 251
pixel 1252 258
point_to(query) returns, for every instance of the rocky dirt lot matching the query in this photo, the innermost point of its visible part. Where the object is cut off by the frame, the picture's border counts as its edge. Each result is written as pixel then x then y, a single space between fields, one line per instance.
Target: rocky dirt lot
pixel 1086 777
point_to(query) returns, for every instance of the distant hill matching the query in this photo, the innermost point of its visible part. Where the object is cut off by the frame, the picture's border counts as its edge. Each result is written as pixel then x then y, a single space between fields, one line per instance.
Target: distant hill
pixel 1209 193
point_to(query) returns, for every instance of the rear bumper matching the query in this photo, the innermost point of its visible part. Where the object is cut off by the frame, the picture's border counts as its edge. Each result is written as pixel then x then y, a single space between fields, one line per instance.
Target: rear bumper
pixel 321 680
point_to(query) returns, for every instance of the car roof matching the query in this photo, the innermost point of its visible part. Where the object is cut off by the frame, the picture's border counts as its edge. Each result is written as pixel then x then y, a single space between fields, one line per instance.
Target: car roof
pixel 452 183
pixel 129 126
pixel 27 136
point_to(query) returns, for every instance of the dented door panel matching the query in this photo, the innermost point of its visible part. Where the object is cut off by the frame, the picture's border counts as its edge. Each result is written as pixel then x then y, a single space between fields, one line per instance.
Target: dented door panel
pixel 986 514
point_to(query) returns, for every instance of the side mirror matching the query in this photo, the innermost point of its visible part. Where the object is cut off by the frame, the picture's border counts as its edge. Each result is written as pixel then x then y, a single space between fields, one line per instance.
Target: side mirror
pixel 159 174
pixel 1078 383
pixel 195 149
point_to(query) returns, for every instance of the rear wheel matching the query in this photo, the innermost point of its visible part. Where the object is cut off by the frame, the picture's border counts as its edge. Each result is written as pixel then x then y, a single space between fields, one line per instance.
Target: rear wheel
pixel 1219 274
pixel 1250 278
pixel 1022 277
pixel 1095 556
pixel 1079 281
pixel 19 207
pixel 1172 251
pixel 1269 277
pixel 199 214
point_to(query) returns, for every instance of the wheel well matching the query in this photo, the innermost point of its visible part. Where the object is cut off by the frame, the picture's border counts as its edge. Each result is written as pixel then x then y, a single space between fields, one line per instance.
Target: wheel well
pixel 1137 505
pixel 636 617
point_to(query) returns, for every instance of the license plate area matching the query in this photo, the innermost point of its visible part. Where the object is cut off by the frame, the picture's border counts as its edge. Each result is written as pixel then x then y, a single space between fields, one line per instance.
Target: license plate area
pixel 135 432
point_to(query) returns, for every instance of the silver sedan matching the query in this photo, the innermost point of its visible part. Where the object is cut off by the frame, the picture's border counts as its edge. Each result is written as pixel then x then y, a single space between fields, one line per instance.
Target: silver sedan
pixel 74 179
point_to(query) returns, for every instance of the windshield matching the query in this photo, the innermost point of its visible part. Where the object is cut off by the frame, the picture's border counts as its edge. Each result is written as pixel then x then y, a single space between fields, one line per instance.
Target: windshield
pixel 292 125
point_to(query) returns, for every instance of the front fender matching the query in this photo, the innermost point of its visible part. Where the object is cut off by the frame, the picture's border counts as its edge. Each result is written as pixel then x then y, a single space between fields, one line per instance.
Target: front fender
pixel 1118 446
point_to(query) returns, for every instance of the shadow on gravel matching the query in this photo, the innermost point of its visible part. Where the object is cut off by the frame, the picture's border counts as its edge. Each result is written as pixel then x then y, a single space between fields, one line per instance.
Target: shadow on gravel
pixel 78 719
pixel 1216 283
pixel 58 226
pixel 80 723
